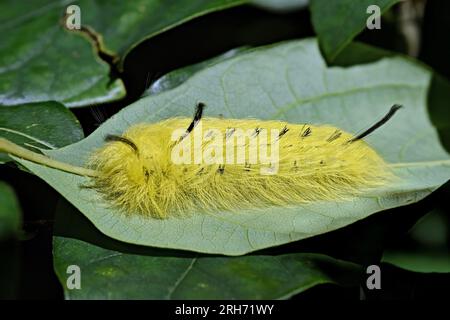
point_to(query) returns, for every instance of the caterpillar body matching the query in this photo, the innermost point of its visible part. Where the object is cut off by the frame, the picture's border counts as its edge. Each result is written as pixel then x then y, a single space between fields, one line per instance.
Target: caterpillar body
pixel 136 171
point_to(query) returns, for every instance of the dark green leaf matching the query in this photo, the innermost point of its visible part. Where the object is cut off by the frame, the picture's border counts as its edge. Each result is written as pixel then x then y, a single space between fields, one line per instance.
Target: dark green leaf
pixel 428 251
pixel 42 125
pixel 337 22
pixel 10 216
pixel 126 23
pixel 115 270
pixel 40 60
pixel 419 261
pixel 110 274
pixel 360 53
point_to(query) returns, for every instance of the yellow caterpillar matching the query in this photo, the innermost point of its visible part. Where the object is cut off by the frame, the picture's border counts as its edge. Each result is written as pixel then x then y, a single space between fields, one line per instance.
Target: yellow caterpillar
pixel 163 169
pixel 137 172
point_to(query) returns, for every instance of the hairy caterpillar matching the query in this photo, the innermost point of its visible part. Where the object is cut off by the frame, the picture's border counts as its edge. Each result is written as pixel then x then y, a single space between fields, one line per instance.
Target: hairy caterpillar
pixel 137 173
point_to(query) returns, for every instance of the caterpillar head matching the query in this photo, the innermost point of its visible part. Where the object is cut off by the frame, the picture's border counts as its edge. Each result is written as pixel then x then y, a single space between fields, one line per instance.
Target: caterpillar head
pixel 132 169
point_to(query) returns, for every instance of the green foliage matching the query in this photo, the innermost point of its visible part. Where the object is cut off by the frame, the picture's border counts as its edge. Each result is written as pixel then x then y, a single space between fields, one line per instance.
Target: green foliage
pixel 150 273
pixel 337 22
pixel 10 217
pixel 45 65
pixel 40 60
pixel 430 235
pixel 36 126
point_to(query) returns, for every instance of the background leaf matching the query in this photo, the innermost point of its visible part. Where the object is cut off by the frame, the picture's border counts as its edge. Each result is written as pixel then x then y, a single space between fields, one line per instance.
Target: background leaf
pixel 288 81
pixel 10 216
pixel 114 270
pixel 110 274
pixel 419 262
pixel 425 248
pixel 125 24
pixel 10 225
pixel 337 22
pixel 42 125
pixel 40 60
